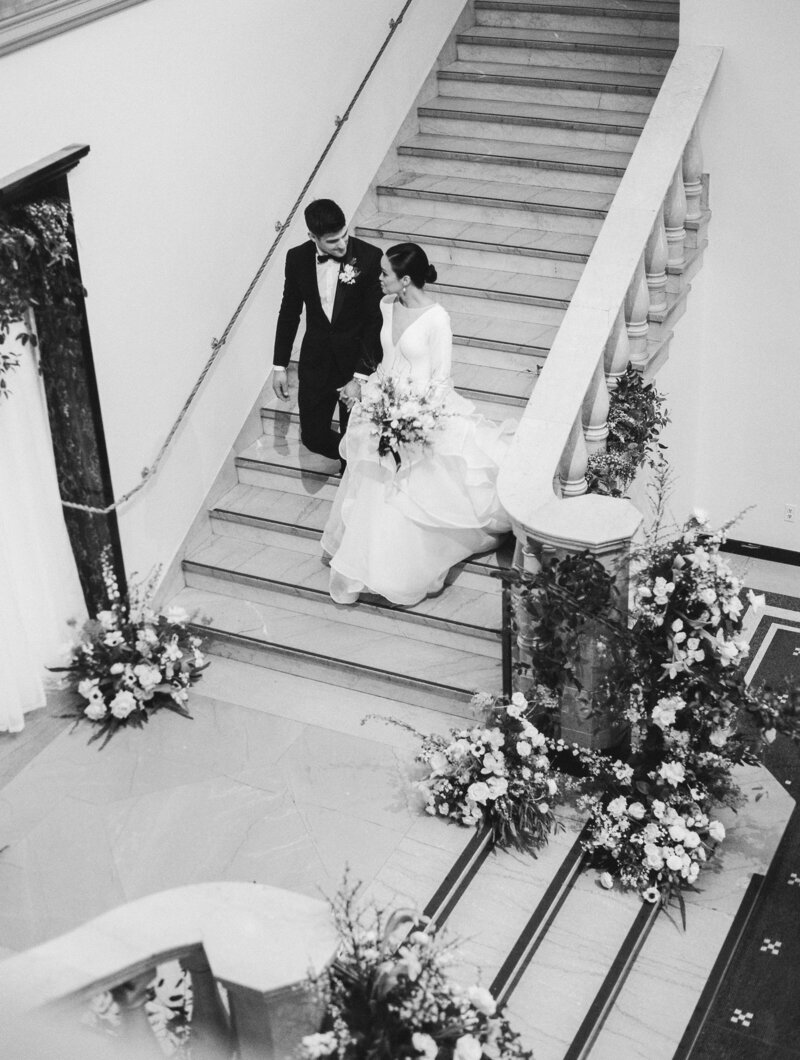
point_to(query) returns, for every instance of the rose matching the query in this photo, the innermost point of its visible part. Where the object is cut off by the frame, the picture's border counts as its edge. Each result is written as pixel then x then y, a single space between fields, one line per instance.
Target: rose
pixel 636 810
pixel 467 1048
pixel 123 704
pixel 665 710
pixel 147 676
pixel 523 748
pixel 95 710
pixel 497 786
pixel 672 772
pixel 478 792
pixel 617 806
pixel 677 832
pixel 658 808
pixel 107 619
pixel 424 1044
pixel 494 763
pixel 716 831
pixel 674 862
pixel 719 737
pixel 438 762
pixel 482 1000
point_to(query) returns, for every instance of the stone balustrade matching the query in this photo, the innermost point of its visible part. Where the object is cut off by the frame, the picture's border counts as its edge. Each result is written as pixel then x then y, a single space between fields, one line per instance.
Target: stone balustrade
pixel 257 943
pixel 623 291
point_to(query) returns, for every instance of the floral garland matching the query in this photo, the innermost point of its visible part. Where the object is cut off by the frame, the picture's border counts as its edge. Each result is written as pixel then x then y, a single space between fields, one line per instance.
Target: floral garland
pixel 130 661
pixel 387 996
pixel 635 420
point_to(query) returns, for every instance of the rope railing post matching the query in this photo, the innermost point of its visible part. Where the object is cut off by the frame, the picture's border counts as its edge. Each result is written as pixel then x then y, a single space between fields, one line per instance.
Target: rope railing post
pixel 217 345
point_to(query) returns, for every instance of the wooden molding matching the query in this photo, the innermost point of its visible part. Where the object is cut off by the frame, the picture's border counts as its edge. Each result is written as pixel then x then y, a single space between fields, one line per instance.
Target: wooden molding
pixel 24 22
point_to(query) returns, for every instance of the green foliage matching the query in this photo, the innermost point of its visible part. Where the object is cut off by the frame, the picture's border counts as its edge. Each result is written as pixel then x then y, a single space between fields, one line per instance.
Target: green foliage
pixel 36 273
pixel 636 417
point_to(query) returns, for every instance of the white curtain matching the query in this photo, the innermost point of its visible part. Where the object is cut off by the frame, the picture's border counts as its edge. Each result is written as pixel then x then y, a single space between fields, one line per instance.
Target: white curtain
pixel 39 587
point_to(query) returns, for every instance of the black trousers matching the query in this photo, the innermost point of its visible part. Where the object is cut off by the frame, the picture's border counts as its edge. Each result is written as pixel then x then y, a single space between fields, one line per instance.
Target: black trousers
pixel 316 406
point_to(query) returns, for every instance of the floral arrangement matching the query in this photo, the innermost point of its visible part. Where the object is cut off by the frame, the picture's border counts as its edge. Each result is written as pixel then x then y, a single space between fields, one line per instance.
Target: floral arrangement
pixel 636 418
pixel 496 773
pixel 388 995
pixel 130 661
pixel 402 415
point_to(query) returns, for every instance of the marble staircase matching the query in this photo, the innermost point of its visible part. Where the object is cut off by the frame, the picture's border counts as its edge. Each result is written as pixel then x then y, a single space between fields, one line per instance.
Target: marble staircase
pixel 506 180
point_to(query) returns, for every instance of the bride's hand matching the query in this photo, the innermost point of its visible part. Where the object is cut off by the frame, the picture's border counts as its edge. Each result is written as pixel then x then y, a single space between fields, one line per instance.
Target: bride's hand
pixel 350 393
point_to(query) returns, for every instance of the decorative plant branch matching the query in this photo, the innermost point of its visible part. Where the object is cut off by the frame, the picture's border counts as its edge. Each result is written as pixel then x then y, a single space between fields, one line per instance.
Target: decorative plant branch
pixel 36 270
pixel 636 418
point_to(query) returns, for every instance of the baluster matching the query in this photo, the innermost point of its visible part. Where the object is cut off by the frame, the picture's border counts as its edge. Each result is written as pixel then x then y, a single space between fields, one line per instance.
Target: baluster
pixel 617 352
pixel 211 1036
pixel 693 175
pixel 637 306
pixel 138 1038
pixel 655 260
pixel 595 412
pixel 674 217
pixel 572 469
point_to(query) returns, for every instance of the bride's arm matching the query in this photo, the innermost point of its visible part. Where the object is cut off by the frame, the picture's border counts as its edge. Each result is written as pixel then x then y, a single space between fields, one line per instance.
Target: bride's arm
pixel 441 349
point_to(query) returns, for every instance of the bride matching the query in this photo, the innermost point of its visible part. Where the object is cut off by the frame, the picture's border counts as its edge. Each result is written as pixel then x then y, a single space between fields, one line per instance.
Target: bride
pixel 396 531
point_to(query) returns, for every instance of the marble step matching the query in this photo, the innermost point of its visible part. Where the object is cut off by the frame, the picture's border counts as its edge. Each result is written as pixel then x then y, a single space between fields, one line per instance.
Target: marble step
pixel 273 409
pixel 498 333
pixel 504 285
pixel 491 159
pixel 656 9
pixel 535 313
pixel 537 83
pixel 256 513
pixel 540 253
pixel 634 22
pixel 531 123
pixel 557 989
pixel 582 51
pixel 407 667
pixel 493 202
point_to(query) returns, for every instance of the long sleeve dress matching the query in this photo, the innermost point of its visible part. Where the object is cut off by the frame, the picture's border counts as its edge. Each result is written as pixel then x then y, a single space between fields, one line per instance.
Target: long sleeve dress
pixel 396 532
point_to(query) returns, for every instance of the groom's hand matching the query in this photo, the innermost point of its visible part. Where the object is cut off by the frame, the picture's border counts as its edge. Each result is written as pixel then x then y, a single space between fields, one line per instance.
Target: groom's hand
pixel 280 383
pixel 350 393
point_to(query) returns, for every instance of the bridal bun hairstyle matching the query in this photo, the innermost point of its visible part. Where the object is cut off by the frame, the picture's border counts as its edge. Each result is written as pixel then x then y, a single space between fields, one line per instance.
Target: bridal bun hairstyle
pixel 408 259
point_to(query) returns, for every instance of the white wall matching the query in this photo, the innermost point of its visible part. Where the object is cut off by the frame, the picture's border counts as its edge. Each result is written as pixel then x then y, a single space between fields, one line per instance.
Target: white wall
pixel 733 377
pixel 204 120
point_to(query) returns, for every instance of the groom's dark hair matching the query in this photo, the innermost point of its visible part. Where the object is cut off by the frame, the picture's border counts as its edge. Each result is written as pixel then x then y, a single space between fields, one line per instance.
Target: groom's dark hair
pixel 324 216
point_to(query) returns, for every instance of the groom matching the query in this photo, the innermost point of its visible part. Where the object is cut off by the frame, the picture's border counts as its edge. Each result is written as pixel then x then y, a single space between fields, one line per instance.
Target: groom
pixel 337 279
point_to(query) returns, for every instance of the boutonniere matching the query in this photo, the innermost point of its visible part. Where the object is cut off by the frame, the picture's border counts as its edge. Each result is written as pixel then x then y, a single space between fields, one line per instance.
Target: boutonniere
pixel 349 272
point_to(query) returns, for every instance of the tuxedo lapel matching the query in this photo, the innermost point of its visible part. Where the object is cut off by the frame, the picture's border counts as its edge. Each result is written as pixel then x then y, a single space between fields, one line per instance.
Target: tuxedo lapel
pixel 341 287
pixel 310 266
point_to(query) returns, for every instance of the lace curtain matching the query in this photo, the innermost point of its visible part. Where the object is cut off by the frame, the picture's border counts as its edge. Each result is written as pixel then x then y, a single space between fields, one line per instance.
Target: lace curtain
pixel 39 587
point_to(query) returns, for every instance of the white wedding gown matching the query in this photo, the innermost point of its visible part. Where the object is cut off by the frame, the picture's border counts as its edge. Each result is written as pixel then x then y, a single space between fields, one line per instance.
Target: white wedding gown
pixel 396 532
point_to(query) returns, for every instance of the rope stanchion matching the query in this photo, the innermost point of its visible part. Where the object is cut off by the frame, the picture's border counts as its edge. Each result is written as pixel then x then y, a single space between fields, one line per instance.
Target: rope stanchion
pixel 218 344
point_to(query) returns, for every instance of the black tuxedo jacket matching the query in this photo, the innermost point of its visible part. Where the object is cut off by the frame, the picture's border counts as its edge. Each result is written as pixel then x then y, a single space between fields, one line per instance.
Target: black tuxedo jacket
pixel 332 350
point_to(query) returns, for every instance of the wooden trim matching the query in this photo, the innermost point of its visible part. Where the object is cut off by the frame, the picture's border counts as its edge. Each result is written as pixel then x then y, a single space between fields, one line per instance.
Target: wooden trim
pixel 770 552
pixel 24 181
pixel 40 19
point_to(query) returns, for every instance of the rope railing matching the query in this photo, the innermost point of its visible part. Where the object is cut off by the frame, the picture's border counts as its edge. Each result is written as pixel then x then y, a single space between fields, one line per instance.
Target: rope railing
pixel 217 345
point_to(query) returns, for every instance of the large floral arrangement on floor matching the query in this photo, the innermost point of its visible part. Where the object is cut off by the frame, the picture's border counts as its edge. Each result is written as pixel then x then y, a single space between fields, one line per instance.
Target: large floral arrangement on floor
pixel 130 661
pixel 496 773
pixel 388 996
pixel 403 416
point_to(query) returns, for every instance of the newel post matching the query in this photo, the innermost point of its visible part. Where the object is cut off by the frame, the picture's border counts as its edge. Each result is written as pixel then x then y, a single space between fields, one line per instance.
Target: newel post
pixel 605 527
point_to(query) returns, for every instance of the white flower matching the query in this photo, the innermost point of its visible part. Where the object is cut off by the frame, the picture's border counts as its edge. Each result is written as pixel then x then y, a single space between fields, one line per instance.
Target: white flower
pixel 618 806
pixel 651 895
pixel 494 763
pixel 662 589
pixel 123 704
pixel 147 676
pixel 317 1045
pixel 424 1044
pixel 467 1048
pixel 438 762
pixel 478 792
pixel 552 786
pixel 677 625
pixel 674 862
pixel 523 748
pixel 636 810
pixel 770 734
pixel 606 880
pixel 113 639
pixel 757 601
pixel 497 786
pixel 482 1000
pixel 107 619
pixel 658 809
pixel 95 709
pixel 653 859
pixel 701 516
pixel 716 831
pixel 672 772
pixel 177 616
pixel 172 651
pixel 719 737
pixel 665 710
pixel 88 688
pixel 707 596
pixel 677 831
pixel 691 840
pixel 543 808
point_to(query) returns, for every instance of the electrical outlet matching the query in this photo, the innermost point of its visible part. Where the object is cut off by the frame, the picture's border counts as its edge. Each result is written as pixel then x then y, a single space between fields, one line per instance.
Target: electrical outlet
pixel 790 513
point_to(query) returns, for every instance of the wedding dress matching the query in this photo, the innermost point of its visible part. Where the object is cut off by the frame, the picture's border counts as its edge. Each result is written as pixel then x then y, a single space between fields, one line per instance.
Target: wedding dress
pixel 396 532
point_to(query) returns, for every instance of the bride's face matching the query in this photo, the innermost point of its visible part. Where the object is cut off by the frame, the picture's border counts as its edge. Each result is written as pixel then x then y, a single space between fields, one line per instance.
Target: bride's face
pixel 389 281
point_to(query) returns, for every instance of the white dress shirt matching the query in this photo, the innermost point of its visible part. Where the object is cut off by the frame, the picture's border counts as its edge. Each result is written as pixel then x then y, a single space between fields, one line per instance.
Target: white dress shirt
pixel 327 278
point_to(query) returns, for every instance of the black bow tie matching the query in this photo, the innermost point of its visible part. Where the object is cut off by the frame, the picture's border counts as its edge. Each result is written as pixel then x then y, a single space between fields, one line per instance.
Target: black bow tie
pixel 322 258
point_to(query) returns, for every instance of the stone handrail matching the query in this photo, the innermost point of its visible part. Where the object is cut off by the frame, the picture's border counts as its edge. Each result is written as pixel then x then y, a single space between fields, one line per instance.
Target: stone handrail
pixel 606 325
pixel 256 941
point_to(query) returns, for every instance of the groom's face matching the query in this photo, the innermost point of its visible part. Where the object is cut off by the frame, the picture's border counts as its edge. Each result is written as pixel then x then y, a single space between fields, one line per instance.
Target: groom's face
pixel 333 243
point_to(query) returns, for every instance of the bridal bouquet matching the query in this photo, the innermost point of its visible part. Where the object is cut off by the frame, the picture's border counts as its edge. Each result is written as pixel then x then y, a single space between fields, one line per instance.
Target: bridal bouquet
pixel 388 996
pixel 130 661
pixel 401 414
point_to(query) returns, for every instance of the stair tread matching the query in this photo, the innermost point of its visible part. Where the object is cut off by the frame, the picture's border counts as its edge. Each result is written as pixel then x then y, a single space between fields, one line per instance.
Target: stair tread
pixel 272 406
pixel 614 8
pixel 569 38
pixel 360 645
pixel 506 109
pixel 488 71
pixel 302 568
pixel 491 191
pixel 500 281
pixel 553 153
pixel 500 238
